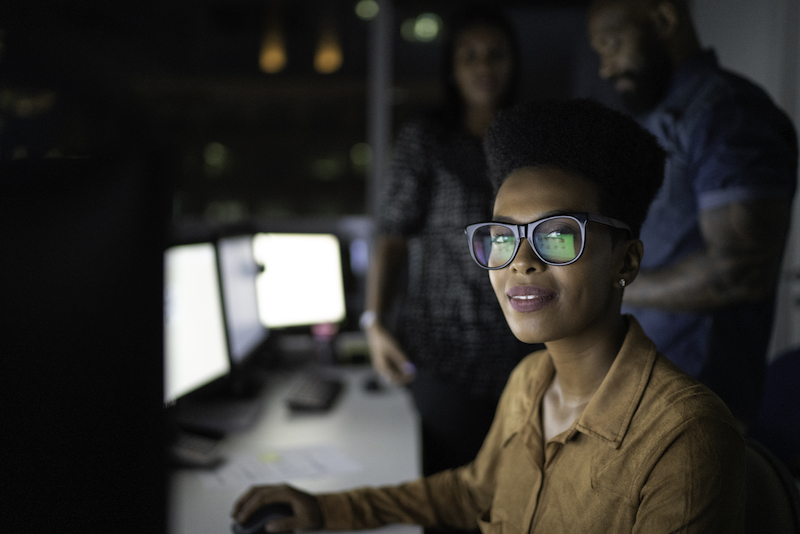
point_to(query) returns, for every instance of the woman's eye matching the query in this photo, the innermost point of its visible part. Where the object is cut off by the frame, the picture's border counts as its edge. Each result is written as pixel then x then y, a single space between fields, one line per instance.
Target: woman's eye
pixel 552 235
pixel 502 239
pixel 558 232
pixel 610 45
pixel 467 55
pixel 556 228
pixel 497 54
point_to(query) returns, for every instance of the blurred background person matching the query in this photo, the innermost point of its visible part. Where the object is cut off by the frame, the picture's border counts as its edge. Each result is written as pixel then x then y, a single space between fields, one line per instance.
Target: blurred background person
pixel 715 234
pixel 442 331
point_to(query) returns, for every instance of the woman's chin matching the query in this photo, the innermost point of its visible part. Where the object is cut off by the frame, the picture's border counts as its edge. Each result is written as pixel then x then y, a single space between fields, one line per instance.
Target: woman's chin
pixel 526 335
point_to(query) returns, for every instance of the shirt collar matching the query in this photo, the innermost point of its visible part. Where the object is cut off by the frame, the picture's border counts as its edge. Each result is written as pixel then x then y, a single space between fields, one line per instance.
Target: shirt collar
pixel 688 74
pixel 608 414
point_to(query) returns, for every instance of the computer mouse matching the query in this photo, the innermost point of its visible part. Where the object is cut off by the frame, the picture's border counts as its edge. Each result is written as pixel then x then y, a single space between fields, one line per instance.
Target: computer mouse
pixel 269 512
pixel 374 384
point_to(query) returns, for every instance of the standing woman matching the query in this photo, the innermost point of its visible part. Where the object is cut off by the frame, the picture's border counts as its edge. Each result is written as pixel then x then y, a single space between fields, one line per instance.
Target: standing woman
pixel 440 329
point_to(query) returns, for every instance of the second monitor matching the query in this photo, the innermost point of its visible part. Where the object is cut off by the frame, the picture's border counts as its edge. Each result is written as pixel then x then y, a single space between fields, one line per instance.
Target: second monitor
pixel 301 282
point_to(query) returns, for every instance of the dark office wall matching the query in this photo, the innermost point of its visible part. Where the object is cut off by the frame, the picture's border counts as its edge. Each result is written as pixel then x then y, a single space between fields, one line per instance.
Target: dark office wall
pixel 81 358
pixel 83 206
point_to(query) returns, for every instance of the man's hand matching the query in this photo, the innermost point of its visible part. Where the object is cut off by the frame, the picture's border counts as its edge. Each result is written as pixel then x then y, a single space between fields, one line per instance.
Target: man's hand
pixel 307 513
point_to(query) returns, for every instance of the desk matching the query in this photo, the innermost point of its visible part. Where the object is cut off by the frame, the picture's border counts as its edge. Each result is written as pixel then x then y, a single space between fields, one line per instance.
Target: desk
pixel 379 430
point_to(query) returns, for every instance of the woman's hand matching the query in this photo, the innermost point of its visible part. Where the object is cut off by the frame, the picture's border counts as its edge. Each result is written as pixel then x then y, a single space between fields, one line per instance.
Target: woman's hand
pixel 388 358
pixel 307 513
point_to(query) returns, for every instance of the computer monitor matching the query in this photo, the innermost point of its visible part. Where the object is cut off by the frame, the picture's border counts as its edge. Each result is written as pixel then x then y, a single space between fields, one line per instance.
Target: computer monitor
pixel 195 344
pixel 301 282
pixel 238 272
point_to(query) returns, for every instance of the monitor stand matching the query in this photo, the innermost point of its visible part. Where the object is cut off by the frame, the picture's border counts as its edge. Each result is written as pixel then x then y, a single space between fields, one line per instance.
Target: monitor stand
pixel 221 414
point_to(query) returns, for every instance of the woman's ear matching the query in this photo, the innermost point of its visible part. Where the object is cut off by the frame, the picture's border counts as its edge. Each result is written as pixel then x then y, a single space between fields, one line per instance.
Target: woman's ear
pixel 632 252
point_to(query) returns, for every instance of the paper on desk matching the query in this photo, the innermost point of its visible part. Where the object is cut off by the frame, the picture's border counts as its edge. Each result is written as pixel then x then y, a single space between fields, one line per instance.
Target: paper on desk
pixel 280 465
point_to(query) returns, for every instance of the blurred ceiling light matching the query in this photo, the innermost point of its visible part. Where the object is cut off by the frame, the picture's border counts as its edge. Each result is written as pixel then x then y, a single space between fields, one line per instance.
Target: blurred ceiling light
pixel 367 9
pixel 427 26
pixel 215 154
pixel 272 57
pixel 327 169
pixel 423 29
pixel 361 154
pixel 216 157
pixel 407 30
pixel 328 57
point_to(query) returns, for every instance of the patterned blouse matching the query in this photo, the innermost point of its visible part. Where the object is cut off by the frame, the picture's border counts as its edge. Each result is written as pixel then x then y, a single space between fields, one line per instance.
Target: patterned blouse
pixel 447 319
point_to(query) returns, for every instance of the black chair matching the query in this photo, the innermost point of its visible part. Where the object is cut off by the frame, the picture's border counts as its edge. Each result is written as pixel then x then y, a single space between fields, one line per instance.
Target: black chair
pixel 777 426
pixel 773 498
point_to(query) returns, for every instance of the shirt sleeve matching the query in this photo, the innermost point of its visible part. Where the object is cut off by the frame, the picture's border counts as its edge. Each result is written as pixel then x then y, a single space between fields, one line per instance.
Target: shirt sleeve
pixel 453 498
pixel 406 191
pixel 697 485
pixel 744 148
pixel 363 508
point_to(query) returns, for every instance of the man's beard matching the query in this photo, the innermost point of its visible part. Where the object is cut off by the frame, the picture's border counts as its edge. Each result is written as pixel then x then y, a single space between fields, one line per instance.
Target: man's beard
pixel 650 82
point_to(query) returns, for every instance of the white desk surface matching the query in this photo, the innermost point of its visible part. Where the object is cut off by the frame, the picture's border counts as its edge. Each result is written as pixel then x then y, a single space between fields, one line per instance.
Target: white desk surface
pixel 379 430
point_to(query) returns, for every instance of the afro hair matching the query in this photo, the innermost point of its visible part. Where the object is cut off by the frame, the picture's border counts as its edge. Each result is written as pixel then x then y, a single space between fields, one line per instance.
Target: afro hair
pixel 605 146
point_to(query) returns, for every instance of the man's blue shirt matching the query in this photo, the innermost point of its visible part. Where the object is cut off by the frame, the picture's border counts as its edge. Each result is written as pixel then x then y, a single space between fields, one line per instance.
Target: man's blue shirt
pixel 726 142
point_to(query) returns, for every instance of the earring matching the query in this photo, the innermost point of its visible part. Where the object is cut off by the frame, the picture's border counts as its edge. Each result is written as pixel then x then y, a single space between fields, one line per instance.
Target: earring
pixel 622 282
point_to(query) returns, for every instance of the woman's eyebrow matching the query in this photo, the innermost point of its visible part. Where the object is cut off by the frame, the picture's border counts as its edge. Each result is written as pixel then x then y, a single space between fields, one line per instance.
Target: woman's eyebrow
pixel 501 219
pixel 511 220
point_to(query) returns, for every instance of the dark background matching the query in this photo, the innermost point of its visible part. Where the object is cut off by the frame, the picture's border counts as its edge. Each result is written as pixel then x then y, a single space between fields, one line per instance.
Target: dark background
pixel 110 112
pixel 189 70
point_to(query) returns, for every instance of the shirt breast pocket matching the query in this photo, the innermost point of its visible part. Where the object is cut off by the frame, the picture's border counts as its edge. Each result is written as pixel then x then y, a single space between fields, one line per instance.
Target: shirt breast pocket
pixel 489 523
pixel 611 479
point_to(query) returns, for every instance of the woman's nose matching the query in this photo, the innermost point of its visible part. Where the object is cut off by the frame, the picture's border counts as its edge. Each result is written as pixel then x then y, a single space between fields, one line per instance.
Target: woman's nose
pixel 526 259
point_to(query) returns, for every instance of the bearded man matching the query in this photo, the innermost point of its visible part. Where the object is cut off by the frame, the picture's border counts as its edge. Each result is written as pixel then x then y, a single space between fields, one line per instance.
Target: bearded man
pixel 715 233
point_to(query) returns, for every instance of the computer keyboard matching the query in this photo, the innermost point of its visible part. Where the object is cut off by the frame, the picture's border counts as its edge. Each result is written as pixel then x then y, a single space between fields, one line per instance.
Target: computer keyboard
pixel 220 414
pixel 314 393
pixel 193 450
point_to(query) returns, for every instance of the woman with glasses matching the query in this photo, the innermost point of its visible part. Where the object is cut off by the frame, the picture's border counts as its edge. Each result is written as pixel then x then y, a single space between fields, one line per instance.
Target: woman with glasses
pixel 598 432
pixel 432 320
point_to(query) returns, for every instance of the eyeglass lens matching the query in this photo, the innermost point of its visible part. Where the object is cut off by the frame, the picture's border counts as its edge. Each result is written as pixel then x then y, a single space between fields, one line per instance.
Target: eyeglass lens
pixel 557 240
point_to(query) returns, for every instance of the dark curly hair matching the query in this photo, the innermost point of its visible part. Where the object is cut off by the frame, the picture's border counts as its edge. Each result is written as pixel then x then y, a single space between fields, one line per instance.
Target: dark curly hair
pixel 605 146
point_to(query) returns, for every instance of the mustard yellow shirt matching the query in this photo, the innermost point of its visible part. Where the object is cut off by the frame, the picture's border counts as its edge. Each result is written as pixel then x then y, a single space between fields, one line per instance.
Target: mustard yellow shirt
pixel 653 451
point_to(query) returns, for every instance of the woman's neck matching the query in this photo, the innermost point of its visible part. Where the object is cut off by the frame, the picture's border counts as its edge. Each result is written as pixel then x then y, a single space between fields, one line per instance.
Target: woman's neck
pixel 478 118
pixel 582 364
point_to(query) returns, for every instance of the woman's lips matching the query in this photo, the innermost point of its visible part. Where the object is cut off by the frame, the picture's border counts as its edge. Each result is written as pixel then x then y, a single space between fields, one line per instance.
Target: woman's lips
pixel 525 299
pixel 488 84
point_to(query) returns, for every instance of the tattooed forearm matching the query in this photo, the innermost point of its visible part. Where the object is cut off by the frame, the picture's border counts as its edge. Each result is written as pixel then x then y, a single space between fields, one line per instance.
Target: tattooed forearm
pixel 740 263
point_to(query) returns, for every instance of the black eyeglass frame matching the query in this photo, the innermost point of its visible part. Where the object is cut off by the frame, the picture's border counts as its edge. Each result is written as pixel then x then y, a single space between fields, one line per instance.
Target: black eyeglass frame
pixel 525 231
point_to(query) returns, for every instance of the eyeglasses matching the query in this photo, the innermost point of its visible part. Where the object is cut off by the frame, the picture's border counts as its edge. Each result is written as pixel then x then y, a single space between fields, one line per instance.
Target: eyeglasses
pixel 557 240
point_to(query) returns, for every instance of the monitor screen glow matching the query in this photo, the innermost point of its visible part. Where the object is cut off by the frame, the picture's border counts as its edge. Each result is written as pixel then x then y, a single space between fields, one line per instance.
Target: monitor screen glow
pixel 301 283
pixel 195 346
pixel 239 270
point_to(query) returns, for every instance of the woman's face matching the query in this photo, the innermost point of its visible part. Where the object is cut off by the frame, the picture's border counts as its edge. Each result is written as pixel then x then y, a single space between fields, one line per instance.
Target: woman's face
pixel 482 65
pixel 545 303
